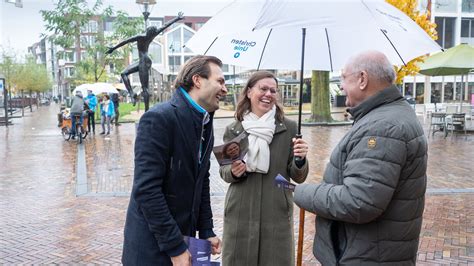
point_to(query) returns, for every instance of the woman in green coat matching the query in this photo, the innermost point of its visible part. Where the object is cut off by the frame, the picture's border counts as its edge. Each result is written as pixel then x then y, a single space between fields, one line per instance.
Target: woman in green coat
pixel 258 216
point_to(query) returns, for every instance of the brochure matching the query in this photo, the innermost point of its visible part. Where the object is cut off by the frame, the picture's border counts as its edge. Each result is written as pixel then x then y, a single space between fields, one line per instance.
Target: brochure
pixel 282 183
pixel 200 250
pixel 231 151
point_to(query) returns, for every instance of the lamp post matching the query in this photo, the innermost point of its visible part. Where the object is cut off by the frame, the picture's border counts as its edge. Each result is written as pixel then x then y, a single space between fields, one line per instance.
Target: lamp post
pixel 172 64
pixel 146 6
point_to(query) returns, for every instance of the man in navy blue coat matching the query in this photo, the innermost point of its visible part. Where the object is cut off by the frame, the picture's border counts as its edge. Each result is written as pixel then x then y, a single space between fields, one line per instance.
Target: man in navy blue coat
pixel 170 196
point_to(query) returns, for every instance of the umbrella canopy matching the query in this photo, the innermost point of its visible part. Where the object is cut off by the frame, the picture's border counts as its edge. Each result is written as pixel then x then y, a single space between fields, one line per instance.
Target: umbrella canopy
pixel 268 34
pixel 97 88
pixel 458 60
pixel 82 88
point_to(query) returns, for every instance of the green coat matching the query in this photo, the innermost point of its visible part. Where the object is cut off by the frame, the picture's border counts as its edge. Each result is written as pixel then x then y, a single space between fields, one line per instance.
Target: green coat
pixel 258 216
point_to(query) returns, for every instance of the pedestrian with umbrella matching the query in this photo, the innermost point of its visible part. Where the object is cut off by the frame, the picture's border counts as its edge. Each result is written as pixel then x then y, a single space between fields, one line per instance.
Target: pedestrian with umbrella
pixel 258 220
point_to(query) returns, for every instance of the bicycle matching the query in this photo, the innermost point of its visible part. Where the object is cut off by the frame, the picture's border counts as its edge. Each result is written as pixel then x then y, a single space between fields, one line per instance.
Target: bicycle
pixel 81 131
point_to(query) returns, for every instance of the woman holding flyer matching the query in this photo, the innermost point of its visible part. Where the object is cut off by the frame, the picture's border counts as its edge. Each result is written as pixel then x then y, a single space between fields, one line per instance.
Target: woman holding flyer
pixel 258 216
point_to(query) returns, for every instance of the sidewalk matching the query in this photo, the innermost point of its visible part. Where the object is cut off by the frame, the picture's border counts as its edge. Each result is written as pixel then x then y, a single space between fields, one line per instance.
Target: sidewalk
pixel 43 222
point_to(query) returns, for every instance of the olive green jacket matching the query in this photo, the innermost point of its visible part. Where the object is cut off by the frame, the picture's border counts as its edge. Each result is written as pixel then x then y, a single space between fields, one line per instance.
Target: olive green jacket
pixel 258 216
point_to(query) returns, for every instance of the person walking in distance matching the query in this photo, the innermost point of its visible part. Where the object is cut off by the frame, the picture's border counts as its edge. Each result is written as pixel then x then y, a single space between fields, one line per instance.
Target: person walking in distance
pixel 91 101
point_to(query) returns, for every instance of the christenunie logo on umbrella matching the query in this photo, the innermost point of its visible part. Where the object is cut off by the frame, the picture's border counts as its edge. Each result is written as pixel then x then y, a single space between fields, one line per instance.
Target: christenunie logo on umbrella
pixel 241 46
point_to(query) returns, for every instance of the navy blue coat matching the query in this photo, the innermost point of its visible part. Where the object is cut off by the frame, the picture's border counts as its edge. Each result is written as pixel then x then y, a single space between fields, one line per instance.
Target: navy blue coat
pixel 170 196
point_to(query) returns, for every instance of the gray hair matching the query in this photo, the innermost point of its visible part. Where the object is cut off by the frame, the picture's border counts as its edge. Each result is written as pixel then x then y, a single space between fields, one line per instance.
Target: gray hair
pixel 375 63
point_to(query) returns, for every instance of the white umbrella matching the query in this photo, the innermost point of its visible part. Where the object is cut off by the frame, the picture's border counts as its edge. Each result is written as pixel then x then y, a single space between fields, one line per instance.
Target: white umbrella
pixel 96 88
pixel 82 88
pixel 102 87
pixel 335 30
pixel 272 34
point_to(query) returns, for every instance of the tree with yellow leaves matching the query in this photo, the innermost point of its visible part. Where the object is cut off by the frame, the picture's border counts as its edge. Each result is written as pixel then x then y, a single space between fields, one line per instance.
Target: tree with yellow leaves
pixel 409 7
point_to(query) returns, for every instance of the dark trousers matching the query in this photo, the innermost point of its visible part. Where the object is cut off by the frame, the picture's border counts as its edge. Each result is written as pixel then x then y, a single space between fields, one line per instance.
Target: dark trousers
pixel 117 114
pixel 91 121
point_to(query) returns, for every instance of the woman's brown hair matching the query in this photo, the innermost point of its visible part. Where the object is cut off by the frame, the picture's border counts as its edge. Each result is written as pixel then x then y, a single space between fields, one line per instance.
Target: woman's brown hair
pixel 244 105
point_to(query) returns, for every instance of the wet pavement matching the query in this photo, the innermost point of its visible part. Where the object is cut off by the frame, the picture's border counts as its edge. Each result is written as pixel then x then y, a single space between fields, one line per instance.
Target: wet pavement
pixel 43 221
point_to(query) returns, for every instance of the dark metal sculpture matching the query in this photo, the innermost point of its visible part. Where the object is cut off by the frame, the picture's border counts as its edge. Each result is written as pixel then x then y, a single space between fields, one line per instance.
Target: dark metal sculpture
pixel 144 64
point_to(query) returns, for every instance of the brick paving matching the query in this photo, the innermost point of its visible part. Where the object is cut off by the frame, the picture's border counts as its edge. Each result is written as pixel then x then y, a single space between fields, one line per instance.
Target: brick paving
pixel 43 222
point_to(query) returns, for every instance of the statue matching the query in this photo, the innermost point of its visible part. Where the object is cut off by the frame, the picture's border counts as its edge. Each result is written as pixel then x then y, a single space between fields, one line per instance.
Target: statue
pixel 144 64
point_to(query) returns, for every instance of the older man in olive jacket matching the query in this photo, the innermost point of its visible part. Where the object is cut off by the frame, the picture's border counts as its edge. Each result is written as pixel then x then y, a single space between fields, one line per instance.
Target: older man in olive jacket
pixel 370 204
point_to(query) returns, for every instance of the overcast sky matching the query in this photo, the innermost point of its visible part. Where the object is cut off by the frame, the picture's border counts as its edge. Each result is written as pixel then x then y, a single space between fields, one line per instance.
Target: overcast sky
pixel 21 27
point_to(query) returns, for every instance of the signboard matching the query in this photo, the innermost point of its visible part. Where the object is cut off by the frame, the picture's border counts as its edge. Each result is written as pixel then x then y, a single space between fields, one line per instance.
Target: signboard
pixel 2 82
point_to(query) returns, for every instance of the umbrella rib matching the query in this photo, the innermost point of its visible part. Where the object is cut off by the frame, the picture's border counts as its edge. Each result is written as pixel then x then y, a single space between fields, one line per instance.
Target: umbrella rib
pixel 329 48
pixel 263 50
pixel 211 45
pixel 383 32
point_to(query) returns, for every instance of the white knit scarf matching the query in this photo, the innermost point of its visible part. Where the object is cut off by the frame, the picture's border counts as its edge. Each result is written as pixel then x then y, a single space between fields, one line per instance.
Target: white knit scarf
pixel 260 131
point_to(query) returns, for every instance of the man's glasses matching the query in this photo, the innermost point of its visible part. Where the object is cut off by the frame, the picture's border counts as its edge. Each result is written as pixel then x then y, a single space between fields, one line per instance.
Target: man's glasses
pixel 264 90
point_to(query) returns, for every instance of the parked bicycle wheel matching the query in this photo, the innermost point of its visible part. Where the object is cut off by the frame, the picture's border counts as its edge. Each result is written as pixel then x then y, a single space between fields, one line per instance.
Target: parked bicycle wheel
pixel 66 133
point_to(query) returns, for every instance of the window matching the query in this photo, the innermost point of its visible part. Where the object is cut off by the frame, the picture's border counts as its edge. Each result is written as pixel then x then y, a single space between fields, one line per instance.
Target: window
pixel 69 57
pixel 420 90
pixel 445 28
pixel 467 30
pixel 445 5
pixel 69 72
pixel 155 53
pixel 174 63
pixel 156 23
pixel 198 25
pixel 409 89
pixel 91 40
pixel 93 26
pixel 448 92
pixel 225 68
pixel 109 26
pixel 468 6
pixel 174 41
pixel 187 34
pixel 84 41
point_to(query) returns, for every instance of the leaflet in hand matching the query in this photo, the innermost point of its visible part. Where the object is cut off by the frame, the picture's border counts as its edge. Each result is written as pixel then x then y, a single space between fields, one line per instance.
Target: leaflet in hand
pixel 282 183
pixel 200 250
pixel 234 150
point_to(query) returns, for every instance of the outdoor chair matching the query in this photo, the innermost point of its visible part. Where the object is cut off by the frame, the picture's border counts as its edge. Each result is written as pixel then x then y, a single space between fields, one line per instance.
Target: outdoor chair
pixel 429 109
pixel 457 123
pixel 420 110
pixel 438 123
pixel 467 109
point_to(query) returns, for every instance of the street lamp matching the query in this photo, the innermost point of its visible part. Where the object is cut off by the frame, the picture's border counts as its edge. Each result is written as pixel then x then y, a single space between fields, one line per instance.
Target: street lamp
pixel 17 3
pixel 146 6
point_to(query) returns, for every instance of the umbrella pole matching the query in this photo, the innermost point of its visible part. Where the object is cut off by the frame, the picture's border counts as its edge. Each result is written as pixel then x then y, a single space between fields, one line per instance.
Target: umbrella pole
pixel 299 256
pixel 300 104
pixel 462 91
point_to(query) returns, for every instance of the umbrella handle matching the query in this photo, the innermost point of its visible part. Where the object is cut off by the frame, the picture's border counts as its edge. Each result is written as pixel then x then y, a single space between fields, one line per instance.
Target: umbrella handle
pixel 297 158
pixel 299 255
